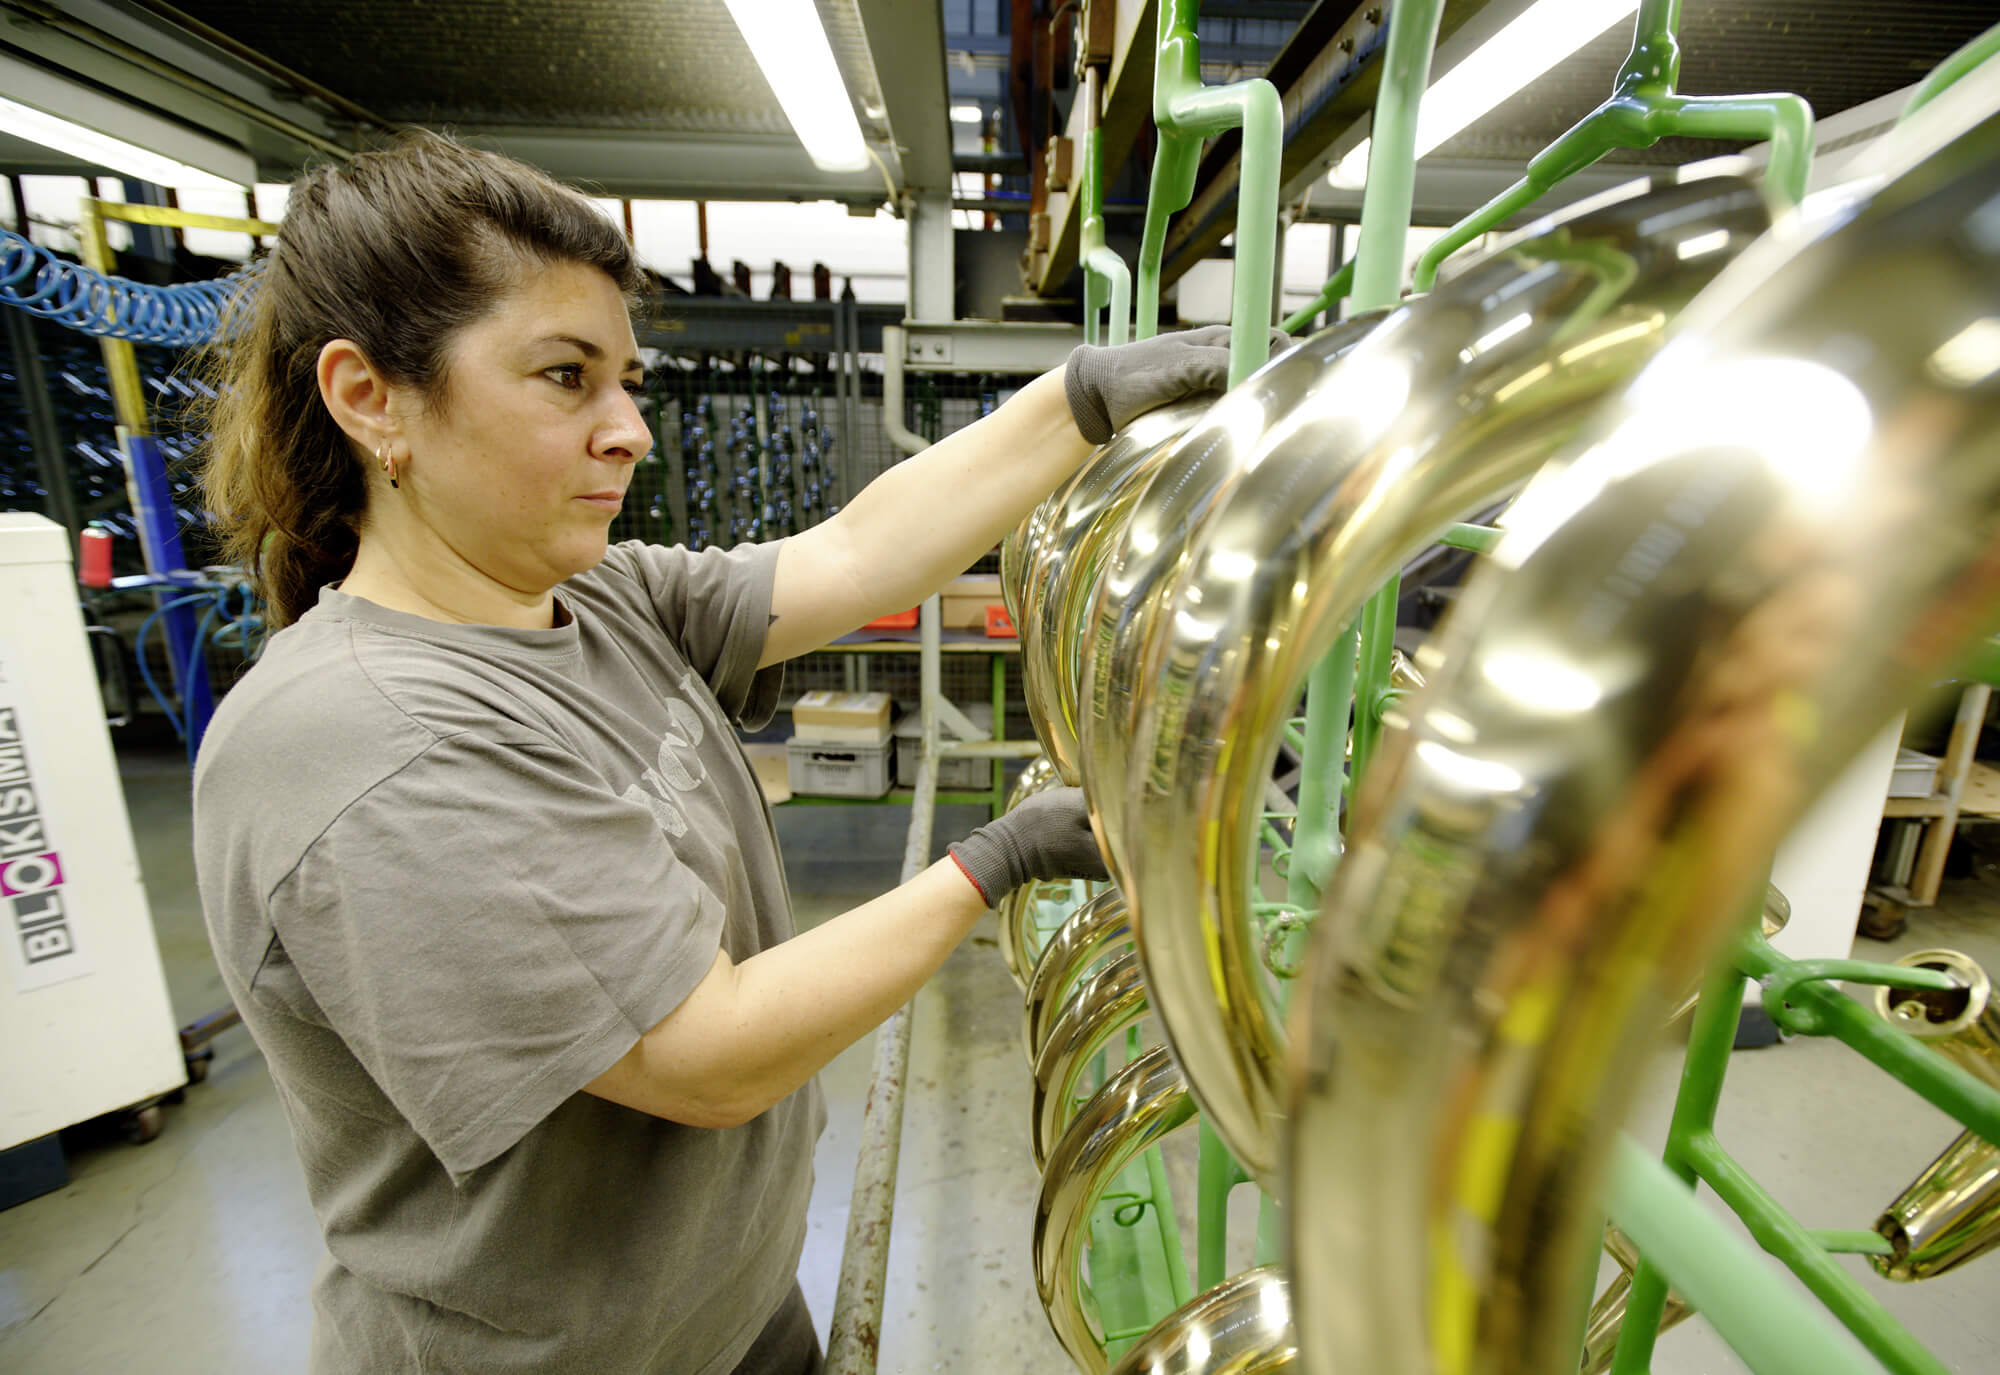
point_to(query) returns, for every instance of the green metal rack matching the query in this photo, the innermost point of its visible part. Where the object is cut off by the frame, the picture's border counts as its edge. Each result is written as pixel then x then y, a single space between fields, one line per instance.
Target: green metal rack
pixel 1137 1271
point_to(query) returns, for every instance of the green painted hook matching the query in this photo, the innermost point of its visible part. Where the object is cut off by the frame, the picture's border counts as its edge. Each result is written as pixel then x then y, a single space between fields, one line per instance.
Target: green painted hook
pixel 1186 112
pixel 1642 110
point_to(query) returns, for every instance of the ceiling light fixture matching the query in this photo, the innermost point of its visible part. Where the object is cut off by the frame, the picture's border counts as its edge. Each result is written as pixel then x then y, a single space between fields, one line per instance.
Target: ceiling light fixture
pixel 88 145
pixel 786 38
pixel 1538 38
pixel 967 114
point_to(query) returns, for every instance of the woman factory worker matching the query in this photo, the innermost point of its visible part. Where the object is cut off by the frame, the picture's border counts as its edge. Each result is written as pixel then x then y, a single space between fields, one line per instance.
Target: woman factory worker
pixel 483 863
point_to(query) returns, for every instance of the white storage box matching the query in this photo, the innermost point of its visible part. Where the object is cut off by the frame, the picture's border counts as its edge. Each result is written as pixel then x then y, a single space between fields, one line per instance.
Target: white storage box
pixel 1915 775
pixel 954 775
pixel 826 768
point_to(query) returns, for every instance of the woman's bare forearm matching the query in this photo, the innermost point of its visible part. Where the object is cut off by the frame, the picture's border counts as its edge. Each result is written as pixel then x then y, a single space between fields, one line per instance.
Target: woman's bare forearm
pixel 750 1035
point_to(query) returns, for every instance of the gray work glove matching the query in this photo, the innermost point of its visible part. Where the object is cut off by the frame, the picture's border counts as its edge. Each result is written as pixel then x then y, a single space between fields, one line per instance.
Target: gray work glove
pixel 1047 836
pixel 1109 388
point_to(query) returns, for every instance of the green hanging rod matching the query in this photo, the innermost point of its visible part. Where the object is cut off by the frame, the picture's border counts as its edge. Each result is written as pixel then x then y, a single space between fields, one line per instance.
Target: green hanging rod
pixel 1642 110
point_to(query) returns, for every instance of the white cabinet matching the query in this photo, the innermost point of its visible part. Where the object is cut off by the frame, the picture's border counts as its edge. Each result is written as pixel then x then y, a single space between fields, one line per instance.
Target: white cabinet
pixel 85 1025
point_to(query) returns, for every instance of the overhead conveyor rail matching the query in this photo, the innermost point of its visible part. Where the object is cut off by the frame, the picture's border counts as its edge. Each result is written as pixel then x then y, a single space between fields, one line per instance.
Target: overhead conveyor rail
pixel 1476 966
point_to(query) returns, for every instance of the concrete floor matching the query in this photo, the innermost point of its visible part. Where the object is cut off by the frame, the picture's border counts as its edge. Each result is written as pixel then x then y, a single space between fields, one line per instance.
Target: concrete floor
pixel 193 1253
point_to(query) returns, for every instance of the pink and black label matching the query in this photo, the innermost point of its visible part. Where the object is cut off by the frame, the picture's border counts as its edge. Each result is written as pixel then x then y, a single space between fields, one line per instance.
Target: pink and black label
pixel 31 868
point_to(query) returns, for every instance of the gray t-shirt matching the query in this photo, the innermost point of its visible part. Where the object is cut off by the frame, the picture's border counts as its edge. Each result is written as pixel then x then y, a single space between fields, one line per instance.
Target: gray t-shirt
pixel 451 874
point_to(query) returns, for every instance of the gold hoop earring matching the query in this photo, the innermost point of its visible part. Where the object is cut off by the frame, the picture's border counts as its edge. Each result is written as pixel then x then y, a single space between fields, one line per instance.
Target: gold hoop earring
pixel 388 465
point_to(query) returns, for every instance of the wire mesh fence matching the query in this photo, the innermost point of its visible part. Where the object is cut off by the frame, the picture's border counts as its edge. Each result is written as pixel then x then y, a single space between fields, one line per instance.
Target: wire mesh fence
pixel 752 447
pixel 757 447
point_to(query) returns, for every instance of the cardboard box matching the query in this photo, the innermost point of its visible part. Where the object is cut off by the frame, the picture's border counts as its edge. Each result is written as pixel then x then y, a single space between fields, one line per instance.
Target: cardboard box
pixel 964 601
pixel 845 717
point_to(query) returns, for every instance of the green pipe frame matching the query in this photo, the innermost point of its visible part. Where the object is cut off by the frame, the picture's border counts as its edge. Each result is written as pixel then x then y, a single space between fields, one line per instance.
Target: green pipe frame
pixel 1642 110
pixel 1681 1245
pixel 1378 280
pixel 1695 1155
pixel 1973 55
pixel 1185 112
pixel 1337 286
pixel 1654 1211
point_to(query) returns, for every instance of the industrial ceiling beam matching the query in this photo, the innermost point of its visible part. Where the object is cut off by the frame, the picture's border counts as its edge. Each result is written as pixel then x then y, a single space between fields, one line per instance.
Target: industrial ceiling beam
pixel 651 165
pixel 1289 11
pixel 61 94
pixel 149 62
pixel 906 42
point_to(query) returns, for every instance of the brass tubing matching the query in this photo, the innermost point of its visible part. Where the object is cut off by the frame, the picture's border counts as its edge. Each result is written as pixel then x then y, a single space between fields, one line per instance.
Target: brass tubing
pixel 1013 562
pixel 1135 1108
pixel 1242 1326
pixel 1015 915
pixel 1062 558
pixel 1607 1314
pixel 1039 774
pixel 1101 1007
pixel 1962 1026
pixel 1010 912
pixel 1099 926
pixel 1779 534
pixel 1183 489
pixel 1777 915
pixel 1949 1215
pixel 1347 472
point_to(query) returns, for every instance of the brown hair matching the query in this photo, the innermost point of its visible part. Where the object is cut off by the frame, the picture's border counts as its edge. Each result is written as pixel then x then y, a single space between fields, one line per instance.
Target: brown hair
pixel 398 250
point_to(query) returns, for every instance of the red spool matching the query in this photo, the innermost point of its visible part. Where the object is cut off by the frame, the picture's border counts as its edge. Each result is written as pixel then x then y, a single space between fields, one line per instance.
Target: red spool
pixel 94 559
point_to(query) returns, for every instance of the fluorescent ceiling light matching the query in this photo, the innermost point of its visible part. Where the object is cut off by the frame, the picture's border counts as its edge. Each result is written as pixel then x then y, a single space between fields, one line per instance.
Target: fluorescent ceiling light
pixel 790 46
pixel 967 114
pixel 88 145
pixel 1539 37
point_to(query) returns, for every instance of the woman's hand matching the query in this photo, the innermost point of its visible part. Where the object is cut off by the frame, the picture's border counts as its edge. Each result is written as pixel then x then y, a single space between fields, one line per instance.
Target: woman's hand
pixel 1109 388
pixel 1048 836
